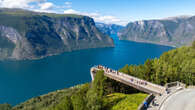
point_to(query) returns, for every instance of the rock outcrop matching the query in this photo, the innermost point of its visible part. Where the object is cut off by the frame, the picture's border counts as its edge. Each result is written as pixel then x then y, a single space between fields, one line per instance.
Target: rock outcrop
pixel 175 31
pixel 30 35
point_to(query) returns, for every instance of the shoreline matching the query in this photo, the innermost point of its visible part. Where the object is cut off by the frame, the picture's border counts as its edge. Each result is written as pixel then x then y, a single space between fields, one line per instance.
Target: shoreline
pixel 150 42
pixel 55 54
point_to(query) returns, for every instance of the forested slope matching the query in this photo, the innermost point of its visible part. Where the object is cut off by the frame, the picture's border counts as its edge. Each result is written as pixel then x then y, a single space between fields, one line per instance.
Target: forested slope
pixel 175 65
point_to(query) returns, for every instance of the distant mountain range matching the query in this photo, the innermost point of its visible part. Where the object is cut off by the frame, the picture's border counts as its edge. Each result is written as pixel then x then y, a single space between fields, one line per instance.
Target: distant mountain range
pixel 109 29
pixel 32 35
pixel 175 31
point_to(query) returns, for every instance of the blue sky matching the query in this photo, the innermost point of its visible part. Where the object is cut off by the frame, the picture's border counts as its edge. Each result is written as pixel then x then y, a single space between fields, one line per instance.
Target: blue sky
pixel 110 11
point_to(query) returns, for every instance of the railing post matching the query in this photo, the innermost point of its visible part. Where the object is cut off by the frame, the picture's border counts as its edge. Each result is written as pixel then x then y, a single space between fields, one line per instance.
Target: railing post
pixel 92 74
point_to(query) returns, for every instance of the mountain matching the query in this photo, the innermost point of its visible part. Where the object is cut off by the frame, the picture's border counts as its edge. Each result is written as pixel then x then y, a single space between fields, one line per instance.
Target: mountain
pixel 32 35
pixel 109 28
pixel 175 31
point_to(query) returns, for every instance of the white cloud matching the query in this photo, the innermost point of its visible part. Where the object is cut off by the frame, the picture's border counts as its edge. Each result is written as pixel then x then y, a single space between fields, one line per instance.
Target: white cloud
pixel 46 5
pixel 18 3
pixel 45 11
pixel 71 11
pixel 35 5
pixel 109 19
pixel 66 8
pixel 68 4
pixel 98 17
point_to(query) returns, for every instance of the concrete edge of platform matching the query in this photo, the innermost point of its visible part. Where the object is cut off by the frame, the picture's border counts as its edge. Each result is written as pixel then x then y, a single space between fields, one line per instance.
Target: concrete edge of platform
pixel 148 99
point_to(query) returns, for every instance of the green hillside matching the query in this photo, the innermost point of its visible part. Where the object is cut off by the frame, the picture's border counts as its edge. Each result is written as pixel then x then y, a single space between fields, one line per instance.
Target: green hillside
pixel 119 101
pixel 21 12
pixel 17 18
pixel 175 65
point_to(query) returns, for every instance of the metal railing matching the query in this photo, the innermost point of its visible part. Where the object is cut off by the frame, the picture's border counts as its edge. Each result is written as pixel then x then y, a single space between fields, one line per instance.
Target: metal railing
pixel 131 80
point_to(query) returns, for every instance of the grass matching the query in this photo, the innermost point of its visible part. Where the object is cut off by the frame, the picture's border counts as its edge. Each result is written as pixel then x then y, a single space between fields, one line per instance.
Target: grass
pixel 5 107
pixel 24 20
pixel 119 101
pixel 57 101
pixel 21 12
pixel 45 102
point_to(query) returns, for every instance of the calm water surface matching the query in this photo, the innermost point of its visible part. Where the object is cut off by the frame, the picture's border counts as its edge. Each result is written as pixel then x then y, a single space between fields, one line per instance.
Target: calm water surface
pixel 21 80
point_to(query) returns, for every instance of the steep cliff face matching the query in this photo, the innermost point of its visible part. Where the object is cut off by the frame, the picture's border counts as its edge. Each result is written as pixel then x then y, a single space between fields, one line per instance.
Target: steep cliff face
pixel 173 31
pixel 109 28
pixel 30 35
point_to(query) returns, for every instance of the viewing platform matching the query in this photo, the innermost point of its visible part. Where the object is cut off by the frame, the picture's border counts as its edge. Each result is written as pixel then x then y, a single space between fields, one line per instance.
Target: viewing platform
pixel 171 96
pixel 132 81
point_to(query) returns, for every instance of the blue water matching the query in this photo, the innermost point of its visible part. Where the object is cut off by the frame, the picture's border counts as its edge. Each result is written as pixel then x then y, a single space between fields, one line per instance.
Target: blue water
pixel 21 80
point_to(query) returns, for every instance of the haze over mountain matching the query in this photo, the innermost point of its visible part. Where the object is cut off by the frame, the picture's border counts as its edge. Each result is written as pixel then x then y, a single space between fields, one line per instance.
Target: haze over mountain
pixel 109 28
pixel 175 31
pixel 30 35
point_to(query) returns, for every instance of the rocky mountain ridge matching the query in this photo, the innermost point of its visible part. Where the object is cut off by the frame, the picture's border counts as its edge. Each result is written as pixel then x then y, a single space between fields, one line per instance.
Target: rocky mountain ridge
pixel 109 28
pixel 175 31
pixel 31 35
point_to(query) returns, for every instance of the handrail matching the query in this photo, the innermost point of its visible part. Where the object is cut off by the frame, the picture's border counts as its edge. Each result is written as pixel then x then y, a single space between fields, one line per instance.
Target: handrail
pixel 150 86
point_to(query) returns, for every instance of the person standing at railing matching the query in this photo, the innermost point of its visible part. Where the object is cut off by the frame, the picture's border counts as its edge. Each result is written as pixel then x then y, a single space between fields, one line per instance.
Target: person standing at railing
pixel 117 73
pixel 145 104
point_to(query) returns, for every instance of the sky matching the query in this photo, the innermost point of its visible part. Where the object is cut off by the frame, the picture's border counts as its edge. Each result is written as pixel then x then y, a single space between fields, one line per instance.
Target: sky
pixel 109 11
